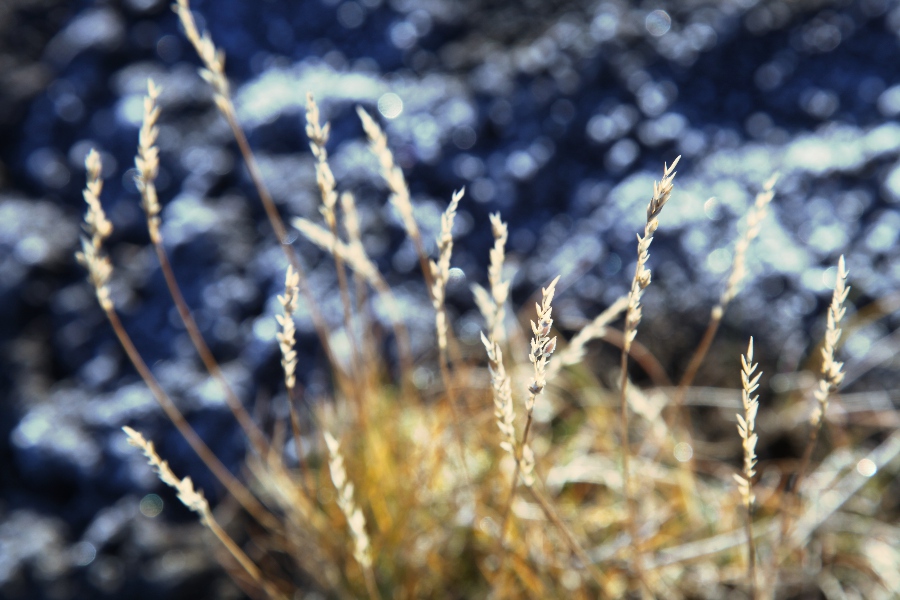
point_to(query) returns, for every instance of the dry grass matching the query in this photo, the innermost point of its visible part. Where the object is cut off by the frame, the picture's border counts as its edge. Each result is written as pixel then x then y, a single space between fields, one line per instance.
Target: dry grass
pixel 421 497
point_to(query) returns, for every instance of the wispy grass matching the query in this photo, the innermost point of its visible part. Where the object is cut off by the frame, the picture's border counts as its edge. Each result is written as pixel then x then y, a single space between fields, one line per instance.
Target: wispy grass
pixel 500 480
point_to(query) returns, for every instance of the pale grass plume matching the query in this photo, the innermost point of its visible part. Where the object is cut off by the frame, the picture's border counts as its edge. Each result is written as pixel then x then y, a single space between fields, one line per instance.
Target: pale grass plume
pixel 147 161
pixel 392 174
pixel 355 519
pixel 213 71
pixel 492 305
pixel 318 138
pixel 662 191
pixel 351 219
pixel 440 269
pixel 99 267
pixel 190 497
pixel 755 216
pixel 98 228
pixel 542 346
pixel 832 372
pixel 196 502
pixel 501 390
pixel 747 425
pixel 353 255
pixel 286 337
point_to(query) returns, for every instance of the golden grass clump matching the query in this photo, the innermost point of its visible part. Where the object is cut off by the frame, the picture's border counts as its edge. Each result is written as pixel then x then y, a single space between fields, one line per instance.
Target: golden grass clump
pixel 421 497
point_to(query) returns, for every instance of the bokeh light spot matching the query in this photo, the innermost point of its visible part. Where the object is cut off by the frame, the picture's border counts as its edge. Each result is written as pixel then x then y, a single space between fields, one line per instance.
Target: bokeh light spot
pixel 390 105
pixel 866 467
pixel 151 505
pixel 683 452
pixel 658 23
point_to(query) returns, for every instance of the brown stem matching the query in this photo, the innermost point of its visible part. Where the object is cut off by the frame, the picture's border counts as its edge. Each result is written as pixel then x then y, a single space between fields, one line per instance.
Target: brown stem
pixel 242 559
pixel 278 226
pixel 454 411
pixel 371 588
pixel 507 509
pixel 305 475
pixel 404 348
pixel 626 471
pixel 751 554
pixel 571 542
pixel 515 480
pixel 235 487
pixel 681 419
pixel 641 356
pixel 254 434
pixel 356 367
pixel 681 423
pixel 791 495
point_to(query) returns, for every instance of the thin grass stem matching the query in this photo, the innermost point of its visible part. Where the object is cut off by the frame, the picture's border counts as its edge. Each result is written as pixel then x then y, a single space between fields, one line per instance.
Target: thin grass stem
pixel 662 191
pixel 214 74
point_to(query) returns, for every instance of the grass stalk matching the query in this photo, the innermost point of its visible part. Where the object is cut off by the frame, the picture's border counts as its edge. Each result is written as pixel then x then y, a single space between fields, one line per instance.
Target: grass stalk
pixel 318 136
pixel 355 257
pixel 542 347
pixel 662 191
pixel 755 216
pixel 356 521
pixel 213 72
pixel 440 272
pixel 830 378
pixel 195 501
pixel 747 430
pixel 99 267
pixel 147 165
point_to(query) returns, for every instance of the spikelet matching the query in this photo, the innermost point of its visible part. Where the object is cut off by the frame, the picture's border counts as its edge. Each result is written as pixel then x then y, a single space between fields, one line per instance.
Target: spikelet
pixel 502 392
pixel 832 374
pixel 747 425
pixel 662 191
pixel 542 346
pixel 355 518
pixel 213 71
pixel 318 137
pixel 286 337
pixel 440 269
pixel 755 217
pixel 492 304
pixel 98 228
pixel 354 255
pixel 190 497
pixel 392 174
pixel 147 161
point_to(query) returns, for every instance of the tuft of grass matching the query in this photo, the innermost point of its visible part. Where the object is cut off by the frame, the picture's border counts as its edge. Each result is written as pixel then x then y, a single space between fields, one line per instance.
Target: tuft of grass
pixel 409 493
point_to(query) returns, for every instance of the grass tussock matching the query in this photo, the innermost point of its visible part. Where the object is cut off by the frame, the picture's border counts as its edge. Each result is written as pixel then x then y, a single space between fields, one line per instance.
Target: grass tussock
pixel 459 491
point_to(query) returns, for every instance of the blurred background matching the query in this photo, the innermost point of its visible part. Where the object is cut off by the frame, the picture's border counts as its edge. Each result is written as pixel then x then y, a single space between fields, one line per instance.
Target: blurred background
pixel 559 114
